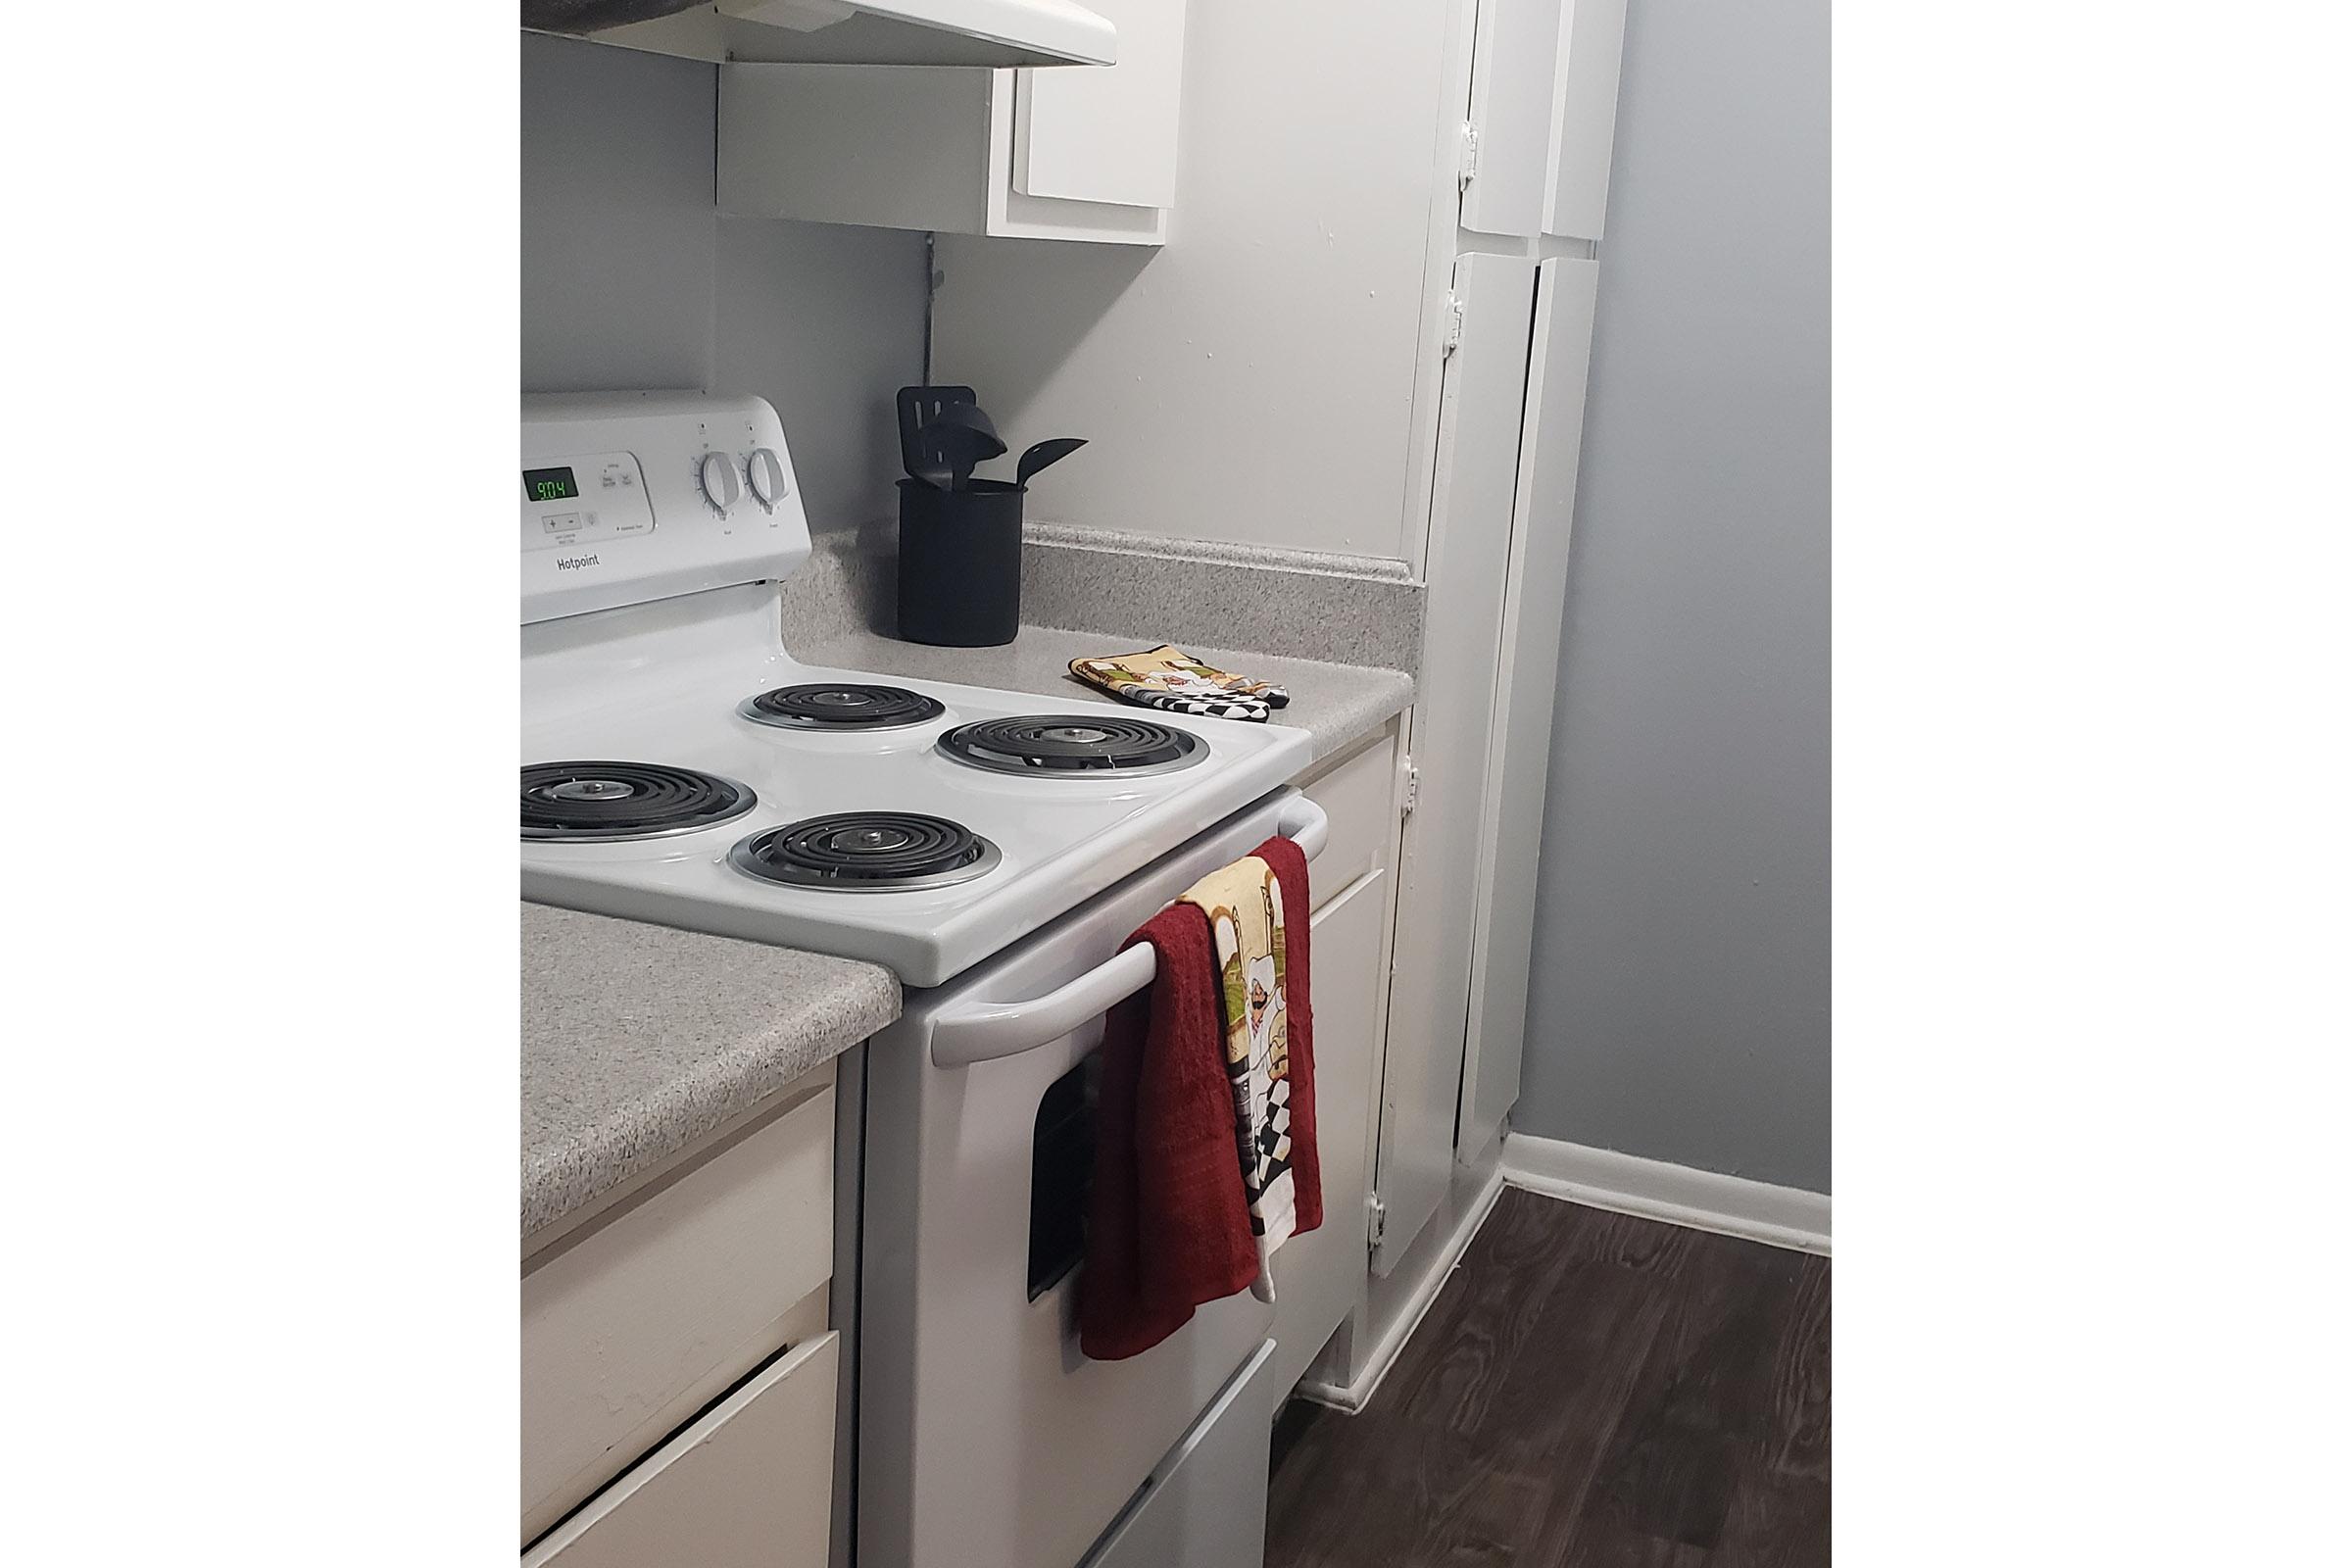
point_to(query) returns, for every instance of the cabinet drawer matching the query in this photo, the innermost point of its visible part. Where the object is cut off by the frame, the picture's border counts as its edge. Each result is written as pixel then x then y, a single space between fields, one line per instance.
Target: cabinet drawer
pixel 634 1326
pixel 1205 1505
pixel 1358 795
pixel 748 1486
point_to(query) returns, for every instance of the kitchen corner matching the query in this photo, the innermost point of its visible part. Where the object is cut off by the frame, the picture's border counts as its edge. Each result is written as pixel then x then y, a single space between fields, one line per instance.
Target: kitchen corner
pixel 1342 638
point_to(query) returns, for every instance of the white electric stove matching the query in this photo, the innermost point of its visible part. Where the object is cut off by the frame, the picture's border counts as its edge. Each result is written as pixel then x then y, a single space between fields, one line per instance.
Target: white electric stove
pixel 992 848
pixel 680 767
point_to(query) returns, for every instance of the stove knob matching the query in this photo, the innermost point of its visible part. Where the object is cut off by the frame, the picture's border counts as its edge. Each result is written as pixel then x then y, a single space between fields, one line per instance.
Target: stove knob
pixel 721 488
pixel 769 482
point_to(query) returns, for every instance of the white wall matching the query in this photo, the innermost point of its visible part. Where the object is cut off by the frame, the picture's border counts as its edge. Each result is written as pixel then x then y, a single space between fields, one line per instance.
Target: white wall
pixel 1680 1007
pixel 1253 382
pixel 631 278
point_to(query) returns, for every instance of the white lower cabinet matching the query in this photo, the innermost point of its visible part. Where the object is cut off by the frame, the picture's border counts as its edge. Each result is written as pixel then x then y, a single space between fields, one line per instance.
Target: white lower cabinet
pixel 1205 1505
pixel 678 1376
pixel 631 1328
pixel 750 1485
pixel 1318 1277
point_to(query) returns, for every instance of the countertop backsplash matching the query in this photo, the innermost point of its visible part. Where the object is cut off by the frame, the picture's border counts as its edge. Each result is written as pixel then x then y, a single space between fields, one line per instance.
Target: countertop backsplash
pixel 1339 610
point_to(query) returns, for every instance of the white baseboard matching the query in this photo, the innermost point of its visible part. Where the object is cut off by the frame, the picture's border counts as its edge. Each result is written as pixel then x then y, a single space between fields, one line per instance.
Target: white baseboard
pixel 1354 1396
pixel 1651 1188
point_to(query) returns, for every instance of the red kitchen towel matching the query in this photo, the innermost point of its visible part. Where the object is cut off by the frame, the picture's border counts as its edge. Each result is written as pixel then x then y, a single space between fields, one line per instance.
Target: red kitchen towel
pixel 1288 863
pixel 1168 1224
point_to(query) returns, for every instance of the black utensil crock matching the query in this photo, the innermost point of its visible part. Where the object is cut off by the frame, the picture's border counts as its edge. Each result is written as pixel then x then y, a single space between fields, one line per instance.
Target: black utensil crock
pixel 959 564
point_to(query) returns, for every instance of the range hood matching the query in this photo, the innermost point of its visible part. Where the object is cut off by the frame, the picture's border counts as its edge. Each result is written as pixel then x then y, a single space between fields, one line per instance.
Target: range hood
pixel 856 32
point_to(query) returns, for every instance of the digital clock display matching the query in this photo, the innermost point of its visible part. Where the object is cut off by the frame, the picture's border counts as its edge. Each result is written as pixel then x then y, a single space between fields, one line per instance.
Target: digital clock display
pixel 548 485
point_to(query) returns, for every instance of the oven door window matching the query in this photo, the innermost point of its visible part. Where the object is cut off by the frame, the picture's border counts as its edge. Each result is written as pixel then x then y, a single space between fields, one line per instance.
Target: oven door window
pixel 1062 1174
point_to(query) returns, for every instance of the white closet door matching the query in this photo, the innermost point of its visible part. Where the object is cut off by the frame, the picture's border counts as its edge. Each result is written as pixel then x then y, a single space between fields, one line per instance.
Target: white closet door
pixel 1527 675
pixel 1586 119
pixel 1094 133
pixel 1469 548
pixel 1512 74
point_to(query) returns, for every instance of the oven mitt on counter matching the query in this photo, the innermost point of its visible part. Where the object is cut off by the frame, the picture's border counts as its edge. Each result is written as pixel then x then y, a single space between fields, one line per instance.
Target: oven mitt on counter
pixel 1171 678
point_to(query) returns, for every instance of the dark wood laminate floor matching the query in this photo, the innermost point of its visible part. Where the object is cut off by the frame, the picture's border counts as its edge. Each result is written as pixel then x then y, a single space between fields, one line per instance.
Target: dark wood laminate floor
pixel 1589 1389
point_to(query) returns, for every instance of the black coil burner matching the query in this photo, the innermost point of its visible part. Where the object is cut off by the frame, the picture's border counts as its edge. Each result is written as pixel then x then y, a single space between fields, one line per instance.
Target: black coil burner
pixel 594 801
pixel 866 852
pixel 841 706
pixel 1073 745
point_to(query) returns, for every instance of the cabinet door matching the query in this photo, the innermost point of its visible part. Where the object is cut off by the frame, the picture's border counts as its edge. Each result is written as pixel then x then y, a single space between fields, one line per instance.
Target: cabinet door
pixel 1107 135
pixel 1526 675
pixel 1318 1276
pixel 1586 119
pixel 748 1486
pixel 1470 542
pixel 1512 78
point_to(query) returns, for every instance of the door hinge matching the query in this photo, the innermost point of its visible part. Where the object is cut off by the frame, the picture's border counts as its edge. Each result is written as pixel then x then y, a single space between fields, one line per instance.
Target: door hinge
pixel 1412 793
pixel 1453 322
pixel 1377 1222
pixel 1469 165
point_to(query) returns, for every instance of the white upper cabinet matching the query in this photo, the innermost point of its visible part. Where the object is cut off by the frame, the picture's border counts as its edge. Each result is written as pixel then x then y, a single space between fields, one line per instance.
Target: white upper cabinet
pixel 1585 118
pixel 1105 135
pixel 1062 154
pixel 1512 80
pixel 1542 116
pixel 866 32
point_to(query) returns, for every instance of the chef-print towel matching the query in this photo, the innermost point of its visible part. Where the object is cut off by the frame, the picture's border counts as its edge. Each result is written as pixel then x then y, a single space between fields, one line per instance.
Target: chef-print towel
pixel 1243 906
pixel 1171 678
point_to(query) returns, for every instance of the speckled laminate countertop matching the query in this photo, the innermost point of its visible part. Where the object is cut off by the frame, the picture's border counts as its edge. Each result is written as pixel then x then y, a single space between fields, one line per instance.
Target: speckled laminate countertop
pixel 1337 704
pixel 638 1041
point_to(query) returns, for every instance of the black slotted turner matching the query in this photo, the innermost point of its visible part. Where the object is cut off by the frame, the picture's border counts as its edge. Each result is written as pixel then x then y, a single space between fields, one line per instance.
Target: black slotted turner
pixel 920 406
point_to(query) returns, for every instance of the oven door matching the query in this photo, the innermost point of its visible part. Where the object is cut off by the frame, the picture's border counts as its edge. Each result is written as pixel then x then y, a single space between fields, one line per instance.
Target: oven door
pixel 985 1438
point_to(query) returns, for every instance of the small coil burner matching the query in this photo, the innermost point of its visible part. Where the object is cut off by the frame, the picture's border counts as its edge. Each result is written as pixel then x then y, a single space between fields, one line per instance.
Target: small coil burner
pixel 1073 745
pixel 866 852
pixel 841 706
pixel 588 802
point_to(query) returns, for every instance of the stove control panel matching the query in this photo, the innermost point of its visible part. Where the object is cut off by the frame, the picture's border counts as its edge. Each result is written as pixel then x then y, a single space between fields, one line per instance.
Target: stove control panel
pixel 581 499
pixel 630 497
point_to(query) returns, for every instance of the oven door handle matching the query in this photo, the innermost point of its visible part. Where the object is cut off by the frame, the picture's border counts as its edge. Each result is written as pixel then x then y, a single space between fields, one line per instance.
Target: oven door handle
pixel 983 1031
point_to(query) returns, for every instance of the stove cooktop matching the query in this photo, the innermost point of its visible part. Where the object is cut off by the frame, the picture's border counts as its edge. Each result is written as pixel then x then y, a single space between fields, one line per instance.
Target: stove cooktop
pixel 948 859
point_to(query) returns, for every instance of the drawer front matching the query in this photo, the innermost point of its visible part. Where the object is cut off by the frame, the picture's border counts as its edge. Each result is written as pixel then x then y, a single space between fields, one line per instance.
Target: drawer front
pixel 632 1328
pixel 1206 1506
pixel 1358 795
pixel 748 1486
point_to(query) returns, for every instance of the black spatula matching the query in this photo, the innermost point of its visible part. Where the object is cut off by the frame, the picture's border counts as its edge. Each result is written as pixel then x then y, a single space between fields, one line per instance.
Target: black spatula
pixel 919 406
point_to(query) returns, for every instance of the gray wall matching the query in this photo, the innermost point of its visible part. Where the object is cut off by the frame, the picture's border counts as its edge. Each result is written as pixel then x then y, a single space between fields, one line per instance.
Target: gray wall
pixel 631 278
pixel 1681 1002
